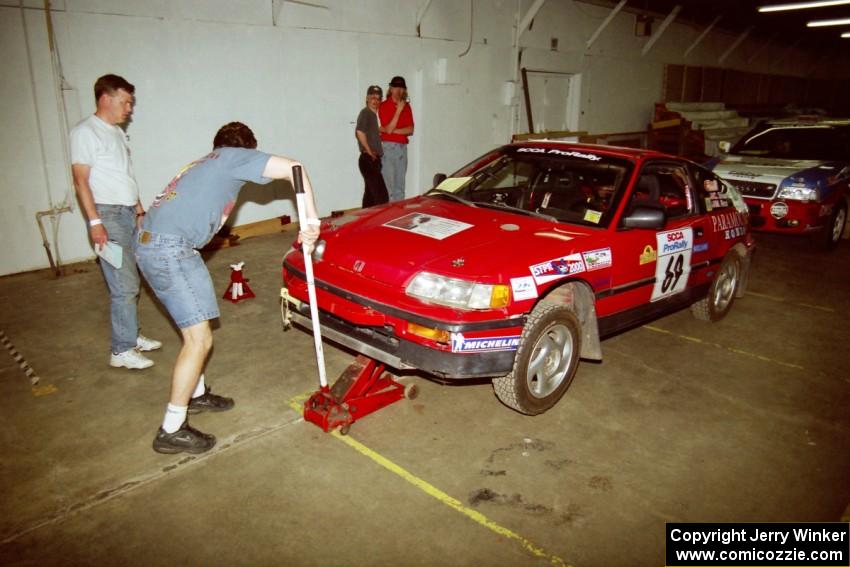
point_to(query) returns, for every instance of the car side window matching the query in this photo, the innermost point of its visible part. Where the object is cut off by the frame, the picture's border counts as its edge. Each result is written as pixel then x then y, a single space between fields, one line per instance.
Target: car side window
pixel 666 186
pixel 712 192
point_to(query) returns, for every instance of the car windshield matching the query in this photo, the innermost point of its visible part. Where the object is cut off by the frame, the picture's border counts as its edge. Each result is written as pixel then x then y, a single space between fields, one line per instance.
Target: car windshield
pixel 796 142
pixel 564 185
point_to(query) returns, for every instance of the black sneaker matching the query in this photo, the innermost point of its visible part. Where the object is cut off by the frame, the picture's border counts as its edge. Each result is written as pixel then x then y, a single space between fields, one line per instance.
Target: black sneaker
pixel 210 402
pixel 186 439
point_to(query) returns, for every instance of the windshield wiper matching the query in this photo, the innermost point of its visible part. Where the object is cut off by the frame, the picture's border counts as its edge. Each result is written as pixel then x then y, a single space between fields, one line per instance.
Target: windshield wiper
pixel 517 210
pixel 443 193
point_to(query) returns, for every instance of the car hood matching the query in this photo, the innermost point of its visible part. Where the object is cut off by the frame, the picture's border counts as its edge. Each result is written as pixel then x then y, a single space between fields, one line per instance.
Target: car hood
pixel 391 243
pixel 763 169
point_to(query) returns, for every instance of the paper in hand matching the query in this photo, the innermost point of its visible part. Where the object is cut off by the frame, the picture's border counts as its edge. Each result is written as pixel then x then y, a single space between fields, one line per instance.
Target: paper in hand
pixel 111 252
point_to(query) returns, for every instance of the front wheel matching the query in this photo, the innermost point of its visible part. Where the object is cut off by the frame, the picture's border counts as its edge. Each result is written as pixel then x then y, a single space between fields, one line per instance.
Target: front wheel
pixel 545 362
pixel 831 234
pixel 721 294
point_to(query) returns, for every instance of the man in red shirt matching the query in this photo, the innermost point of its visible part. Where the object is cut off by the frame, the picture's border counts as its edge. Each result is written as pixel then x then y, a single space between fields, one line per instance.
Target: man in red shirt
pixel 396 126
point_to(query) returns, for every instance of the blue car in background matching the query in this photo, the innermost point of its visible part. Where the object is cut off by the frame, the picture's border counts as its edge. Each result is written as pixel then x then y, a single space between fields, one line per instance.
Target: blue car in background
pixel 794 175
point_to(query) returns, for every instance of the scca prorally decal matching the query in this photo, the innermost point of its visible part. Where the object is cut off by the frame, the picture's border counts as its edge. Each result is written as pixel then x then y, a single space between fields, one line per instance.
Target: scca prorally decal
pixel 555 151
pixel 674 262
pixel 597 259
pixel 557 268
pixel 486 344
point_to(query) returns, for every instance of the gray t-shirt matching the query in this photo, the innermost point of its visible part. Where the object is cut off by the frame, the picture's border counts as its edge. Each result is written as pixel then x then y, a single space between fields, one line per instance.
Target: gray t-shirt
pixel 198 200
pixel 367 122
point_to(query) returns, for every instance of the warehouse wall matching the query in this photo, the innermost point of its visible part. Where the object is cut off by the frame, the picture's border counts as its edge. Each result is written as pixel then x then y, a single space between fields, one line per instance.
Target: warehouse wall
pixel 297 75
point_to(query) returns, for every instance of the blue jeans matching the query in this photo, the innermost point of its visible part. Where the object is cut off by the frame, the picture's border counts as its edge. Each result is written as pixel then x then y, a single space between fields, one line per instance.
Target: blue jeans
pixel 178 276
pixel 394 169
pixel 120 223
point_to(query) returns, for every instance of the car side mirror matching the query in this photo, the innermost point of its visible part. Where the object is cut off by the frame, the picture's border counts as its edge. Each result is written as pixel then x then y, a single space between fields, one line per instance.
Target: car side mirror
pixel 645 217
pixel 724 147
pixel 439 178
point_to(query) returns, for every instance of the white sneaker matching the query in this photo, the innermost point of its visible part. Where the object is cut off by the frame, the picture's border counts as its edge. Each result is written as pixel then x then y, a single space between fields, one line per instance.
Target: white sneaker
pixel 130 359
pixel 145 344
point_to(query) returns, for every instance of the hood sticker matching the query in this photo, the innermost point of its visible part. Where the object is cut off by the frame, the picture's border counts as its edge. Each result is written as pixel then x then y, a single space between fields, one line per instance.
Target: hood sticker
pixel 431 226
pixel 486 344
pixel 557 268
pixel 523 288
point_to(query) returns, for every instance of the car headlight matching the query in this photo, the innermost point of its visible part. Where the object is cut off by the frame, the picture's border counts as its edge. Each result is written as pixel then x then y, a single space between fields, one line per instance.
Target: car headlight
pixel 798 193
pixel 453 292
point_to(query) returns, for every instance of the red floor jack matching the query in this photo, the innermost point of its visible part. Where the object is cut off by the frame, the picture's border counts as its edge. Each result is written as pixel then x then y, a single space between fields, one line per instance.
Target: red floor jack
pixel 363 387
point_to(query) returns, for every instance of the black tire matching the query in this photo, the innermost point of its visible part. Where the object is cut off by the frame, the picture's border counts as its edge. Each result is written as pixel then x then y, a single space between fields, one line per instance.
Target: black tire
pixel 545 362
pixel 721 293
pixel 829 237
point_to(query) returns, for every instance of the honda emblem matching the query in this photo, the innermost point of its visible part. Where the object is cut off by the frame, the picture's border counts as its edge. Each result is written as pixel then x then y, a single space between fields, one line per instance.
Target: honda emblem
pixel 359 265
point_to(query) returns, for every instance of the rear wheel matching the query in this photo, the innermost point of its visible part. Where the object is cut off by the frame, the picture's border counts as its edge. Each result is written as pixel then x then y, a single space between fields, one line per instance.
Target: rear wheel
pixel 831 234
pixel 545 362
pixel 721 294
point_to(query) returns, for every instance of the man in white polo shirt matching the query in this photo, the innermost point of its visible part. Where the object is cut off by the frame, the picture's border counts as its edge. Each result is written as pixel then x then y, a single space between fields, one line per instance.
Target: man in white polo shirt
pixel 109 195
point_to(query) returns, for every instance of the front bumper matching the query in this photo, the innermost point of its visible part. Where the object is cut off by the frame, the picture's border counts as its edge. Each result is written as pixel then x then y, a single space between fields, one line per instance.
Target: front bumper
pixel 799 217
pixel 398 352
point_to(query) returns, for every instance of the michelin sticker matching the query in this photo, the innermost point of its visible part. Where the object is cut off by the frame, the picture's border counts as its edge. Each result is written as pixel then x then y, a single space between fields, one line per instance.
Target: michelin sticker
pixel 674 262
pixel 431 226
pixel 556 269
pixel 524 288
pixel 597 259
pixel 462 344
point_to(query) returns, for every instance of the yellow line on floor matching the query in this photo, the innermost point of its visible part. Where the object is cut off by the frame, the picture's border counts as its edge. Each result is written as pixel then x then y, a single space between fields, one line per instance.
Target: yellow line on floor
pixel 297 404
pixel 730 349
pixel 799 303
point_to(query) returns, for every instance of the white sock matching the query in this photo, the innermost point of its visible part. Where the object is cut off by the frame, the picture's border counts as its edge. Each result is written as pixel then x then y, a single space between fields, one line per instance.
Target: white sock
pixel 200 388
pixel 174 417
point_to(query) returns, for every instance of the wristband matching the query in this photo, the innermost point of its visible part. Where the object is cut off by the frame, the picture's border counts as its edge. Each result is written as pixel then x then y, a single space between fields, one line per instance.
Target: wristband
pixel 313 222
pixel 94 222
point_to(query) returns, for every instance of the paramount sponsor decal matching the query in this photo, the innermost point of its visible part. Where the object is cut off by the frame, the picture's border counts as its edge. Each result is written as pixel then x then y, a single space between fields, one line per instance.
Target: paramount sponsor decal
pixel 731 224
pixel 462 344
pixel 557 268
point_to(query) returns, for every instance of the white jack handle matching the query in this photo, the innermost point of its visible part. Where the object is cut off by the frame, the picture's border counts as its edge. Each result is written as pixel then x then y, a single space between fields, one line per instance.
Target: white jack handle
pixel 298 184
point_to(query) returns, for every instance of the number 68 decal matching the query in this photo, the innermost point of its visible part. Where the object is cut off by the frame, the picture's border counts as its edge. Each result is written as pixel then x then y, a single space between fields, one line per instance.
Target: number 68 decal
pixel 674 262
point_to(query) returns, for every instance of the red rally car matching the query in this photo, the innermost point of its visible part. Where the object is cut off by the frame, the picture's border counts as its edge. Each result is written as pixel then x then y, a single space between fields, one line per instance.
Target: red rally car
pixel 516 265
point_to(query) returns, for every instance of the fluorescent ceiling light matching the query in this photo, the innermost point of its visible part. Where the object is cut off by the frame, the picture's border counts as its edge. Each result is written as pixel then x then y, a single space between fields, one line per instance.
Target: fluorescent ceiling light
pixel 802 5
pixel 822 23
pixel 846 34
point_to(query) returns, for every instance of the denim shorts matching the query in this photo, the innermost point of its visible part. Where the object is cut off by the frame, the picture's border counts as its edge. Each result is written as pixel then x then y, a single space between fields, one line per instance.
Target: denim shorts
pixel 178 276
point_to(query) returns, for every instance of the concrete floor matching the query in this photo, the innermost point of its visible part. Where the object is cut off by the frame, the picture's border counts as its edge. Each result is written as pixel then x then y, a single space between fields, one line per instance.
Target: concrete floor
pixel 745 420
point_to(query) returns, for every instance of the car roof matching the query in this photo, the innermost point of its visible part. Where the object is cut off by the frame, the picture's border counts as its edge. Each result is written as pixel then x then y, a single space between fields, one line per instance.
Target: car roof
pixel 611 151
pixel 814 121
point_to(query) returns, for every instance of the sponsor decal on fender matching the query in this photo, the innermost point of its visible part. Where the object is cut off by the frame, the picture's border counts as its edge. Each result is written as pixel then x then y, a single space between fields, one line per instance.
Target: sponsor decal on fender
pixel 649 255
pixel 597 259
pixel 557 268
pixel 523 288
pixel 462 344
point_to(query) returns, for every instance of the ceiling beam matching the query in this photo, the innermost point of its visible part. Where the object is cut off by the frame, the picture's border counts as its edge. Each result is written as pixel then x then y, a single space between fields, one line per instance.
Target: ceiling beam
pixel 604 24
pixel 702 35
pixel 735 44
pixel 526 19
pixel 661 29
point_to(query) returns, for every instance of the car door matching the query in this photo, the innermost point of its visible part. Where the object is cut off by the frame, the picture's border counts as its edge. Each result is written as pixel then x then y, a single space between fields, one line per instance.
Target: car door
pixel 652 266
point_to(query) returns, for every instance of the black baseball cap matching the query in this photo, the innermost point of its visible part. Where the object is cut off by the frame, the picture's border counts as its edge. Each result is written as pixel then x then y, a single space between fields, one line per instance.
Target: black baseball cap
pixel 375 89
pixel 398 82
